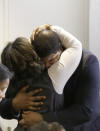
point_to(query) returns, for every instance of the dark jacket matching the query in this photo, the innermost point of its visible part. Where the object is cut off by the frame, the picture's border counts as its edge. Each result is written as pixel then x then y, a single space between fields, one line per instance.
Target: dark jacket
pixel 81 96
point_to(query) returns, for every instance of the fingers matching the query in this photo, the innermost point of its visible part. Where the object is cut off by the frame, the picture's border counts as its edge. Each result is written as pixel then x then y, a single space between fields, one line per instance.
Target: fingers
pixel 25 126
pixel 21 122
pixel 26 112
pixel 38 98
pixel 34 108
pixel 36 104
pixel 23 116
pixel 34 92
pixel 24 88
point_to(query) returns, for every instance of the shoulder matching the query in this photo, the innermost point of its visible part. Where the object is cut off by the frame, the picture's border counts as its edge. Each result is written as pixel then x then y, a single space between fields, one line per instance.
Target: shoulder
pixel 88 59
pixel 88 67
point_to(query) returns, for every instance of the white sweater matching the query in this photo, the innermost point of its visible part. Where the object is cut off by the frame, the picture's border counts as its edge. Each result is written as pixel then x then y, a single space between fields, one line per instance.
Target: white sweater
pixel 62 70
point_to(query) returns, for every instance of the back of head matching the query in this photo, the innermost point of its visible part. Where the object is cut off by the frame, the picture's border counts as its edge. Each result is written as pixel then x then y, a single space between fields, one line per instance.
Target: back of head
pixel 55 126
pixel 44 126
pixel 20 57
pixel 4 73
pixel 45 42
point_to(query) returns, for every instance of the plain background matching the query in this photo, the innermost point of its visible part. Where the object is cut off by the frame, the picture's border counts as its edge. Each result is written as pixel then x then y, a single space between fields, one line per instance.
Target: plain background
pixel 79 17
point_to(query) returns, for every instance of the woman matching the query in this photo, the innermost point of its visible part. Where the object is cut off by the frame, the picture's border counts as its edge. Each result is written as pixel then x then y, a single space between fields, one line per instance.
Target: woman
pixel 5 76
pixel 20 58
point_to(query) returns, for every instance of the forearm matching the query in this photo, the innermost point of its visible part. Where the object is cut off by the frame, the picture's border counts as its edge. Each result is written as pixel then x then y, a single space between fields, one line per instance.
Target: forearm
pixel 62 70
pixel 6 109
pixel 67 39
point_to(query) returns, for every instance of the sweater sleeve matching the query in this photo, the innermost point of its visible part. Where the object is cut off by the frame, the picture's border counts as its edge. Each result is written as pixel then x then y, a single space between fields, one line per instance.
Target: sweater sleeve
pixel 6 109
pixel 62 70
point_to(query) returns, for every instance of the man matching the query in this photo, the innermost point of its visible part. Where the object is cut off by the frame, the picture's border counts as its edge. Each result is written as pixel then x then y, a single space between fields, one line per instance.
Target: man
pixel 81 97
pixel 58 62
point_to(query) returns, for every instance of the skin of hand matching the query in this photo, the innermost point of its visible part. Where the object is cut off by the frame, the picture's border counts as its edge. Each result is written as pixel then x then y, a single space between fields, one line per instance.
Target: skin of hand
pixel 27 101
pixel 30 118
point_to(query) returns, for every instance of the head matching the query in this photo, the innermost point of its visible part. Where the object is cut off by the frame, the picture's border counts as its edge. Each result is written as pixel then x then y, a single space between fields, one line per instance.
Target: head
pixel 44 126
pixel 5 76
pixel 47 44
pixel 20 57
pixel 55 126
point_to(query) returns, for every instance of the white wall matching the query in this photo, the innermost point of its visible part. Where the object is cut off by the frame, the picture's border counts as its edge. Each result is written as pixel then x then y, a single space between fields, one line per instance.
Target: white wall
pixel 1 25
pixel 94 37
pixel 24 15
pixel 4 20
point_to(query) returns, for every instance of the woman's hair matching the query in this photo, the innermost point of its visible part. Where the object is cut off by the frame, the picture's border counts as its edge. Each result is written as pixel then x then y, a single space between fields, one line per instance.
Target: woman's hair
pixel 4 73
pixel 20 57
pixel 45 41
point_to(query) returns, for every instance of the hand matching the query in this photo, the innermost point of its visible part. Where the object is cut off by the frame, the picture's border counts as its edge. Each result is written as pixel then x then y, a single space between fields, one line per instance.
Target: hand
pixel 30 118
pixel 24 100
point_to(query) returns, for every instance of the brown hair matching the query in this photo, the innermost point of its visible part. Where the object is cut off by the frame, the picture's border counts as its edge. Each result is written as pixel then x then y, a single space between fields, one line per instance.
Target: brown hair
pixel 19 56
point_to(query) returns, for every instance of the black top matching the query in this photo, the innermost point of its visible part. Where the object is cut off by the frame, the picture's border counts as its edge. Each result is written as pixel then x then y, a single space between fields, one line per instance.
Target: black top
pixel 53 100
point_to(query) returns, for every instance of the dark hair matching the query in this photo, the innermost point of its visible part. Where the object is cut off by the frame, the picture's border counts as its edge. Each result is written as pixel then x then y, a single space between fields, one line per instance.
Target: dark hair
pixel 4 73
pixel 46 42
pixel 55 126
pixel 44 126
pixel 20 57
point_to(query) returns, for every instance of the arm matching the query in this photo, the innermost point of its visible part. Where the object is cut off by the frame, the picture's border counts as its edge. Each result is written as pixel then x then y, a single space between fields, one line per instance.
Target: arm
pixel 85 99
pixel 10 107
pixel 6 109
pixel 61 71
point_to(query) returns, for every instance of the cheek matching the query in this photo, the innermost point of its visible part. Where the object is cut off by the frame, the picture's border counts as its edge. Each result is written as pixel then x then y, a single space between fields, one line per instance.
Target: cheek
pixel 4 91
pixel 50 63
pixel 47 65
pixel 2 95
